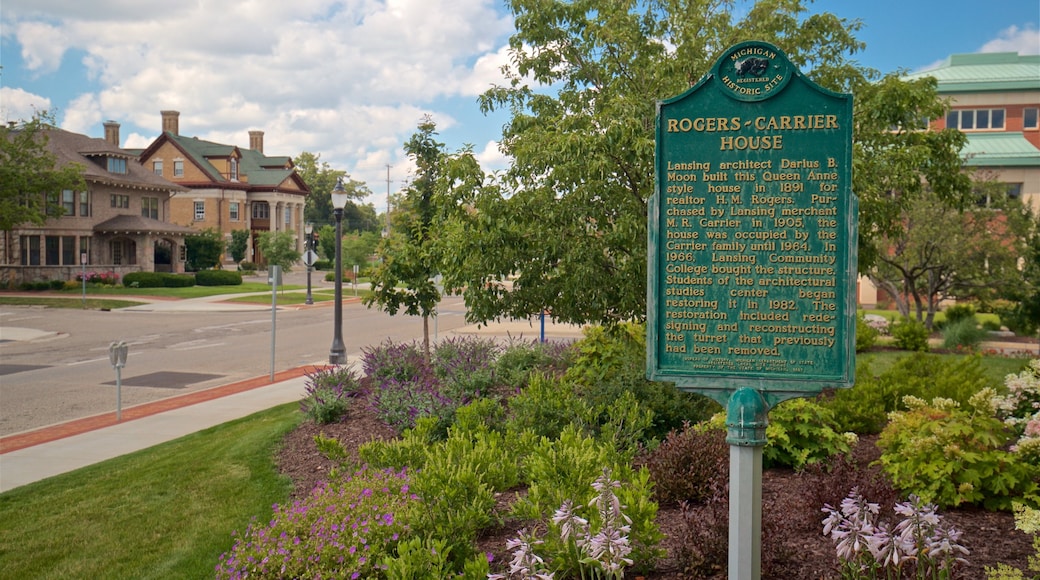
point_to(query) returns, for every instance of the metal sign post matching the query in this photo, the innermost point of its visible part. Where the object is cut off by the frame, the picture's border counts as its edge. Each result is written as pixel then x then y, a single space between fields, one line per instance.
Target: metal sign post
pixel 752 255
pixel 83 276
pixel 117 352
pixel 276 276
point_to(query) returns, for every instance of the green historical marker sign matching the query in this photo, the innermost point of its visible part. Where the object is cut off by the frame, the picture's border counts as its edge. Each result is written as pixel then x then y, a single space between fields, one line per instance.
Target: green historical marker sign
pixel 753 233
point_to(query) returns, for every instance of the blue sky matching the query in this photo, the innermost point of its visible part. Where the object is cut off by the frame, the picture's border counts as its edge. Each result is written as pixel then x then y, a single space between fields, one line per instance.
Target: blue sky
pixel 350 79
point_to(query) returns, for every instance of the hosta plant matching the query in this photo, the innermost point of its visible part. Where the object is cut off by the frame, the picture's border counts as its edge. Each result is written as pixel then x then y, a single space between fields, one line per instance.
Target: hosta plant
pixel 918 546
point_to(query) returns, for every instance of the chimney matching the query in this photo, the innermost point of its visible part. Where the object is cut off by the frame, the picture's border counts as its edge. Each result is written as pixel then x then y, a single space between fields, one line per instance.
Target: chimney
pixel 256 141
pixel 171 122
pixel 112 133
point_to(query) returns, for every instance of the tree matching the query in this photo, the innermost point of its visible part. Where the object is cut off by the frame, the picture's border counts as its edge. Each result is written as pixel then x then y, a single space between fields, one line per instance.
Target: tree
pixel 203 250
pixel 321 179
pixel 279 249
pixel 942 252
pixel 567 224
pixel 404 277
pixel 239 243
pixel 357 248
pixel 29 174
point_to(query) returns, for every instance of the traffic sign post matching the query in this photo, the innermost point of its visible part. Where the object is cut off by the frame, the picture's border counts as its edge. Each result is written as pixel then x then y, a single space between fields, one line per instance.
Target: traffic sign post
pixel 752 255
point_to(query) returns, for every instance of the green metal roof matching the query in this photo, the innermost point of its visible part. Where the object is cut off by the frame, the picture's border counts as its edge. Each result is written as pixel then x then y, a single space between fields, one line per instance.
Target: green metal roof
pixel 1000 150
pixel 259 169
pixel 985 72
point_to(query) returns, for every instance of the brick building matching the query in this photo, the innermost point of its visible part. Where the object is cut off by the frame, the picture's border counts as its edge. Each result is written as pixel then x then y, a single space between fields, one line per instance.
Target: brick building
pixel 119 223
pixel 226 187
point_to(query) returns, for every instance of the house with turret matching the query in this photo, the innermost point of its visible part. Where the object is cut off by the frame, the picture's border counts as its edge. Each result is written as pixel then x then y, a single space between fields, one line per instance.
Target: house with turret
pixel 228 187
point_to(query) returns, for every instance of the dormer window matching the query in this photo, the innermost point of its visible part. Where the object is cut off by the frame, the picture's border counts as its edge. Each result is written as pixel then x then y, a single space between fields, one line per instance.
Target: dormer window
pixel 117 165
pixel 234 169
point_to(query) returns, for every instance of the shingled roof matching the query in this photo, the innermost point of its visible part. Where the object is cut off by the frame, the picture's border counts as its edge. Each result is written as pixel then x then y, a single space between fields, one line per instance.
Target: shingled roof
pixel 71 147
pixel 135 224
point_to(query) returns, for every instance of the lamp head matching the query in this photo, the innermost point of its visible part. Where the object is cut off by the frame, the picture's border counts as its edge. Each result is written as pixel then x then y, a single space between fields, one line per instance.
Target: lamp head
pixel 308 228
pixel 339 195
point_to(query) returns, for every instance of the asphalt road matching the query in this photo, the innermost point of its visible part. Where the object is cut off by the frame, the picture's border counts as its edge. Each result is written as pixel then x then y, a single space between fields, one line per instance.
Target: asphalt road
pixel 48 381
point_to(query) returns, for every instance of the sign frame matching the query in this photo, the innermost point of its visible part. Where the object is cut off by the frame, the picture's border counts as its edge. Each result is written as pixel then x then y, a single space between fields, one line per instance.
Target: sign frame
pixel 753 110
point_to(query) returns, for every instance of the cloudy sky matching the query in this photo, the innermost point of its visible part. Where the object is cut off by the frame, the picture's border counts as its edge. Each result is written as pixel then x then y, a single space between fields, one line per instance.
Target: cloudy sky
pixel 350 79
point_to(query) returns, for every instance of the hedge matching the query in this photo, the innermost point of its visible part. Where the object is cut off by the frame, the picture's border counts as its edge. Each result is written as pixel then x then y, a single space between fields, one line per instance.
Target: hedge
pixel 218 278
pixel 157 280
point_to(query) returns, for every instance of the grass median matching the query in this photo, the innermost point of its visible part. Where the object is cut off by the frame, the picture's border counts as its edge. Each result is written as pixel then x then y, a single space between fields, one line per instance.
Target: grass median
pixel 163 512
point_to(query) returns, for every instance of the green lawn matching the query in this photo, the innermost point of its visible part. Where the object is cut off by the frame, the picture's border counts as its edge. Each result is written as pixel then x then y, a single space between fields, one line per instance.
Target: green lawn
pixel 164 512
pixel 994 367
pixel 60 302
pixel 189 292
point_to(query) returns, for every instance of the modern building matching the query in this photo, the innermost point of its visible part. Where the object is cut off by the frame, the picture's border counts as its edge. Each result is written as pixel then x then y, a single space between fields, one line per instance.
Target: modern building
pixel 227 187
pixel 120 223
pixel 995 101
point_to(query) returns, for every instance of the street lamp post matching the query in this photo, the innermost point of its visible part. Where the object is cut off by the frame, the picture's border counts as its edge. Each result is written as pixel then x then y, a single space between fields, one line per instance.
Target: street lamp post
pixel 338 353
pixel 308 228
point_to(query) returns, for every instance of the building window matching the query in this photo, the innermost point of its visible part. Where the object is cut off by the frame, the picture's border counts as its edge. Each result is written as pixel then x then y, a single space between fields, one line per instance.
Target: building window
pixel 84 204
pixel 53 246
pixel 975 119
pixel 234 169
pixel 1029 118
pixel 52 201
pixel 117 165
pixel 288 215
pixel 233 211
pixel 84 248
pixel 261 211
pixel 120 201
pixel 157 166
pixel 68 202
pixel 150 207
pixel 200 211
pixel 68 251
pixel 30 250
pixel 178 168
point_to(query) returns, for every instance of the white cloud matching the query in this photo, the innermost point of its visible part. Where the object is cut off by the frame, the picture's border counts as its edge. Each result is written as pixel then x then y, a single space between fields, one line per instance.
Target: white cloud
pixel 348 79
pixel 43 46
pixel 1014 39
pixel 19 105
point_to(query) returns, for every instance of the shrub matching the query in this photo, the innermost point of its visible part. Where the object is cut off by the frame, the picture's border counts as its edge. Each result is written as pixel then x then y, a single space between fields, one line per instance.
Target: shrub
pixel 688 465
pixel 349 527
pixel 611 361
pixel 519 360
pixel 108 278
pixel 547 406
pixel 1016 317
pixel 864 408
pixel 963 334
pixel 959 312
pixel 247 266
pixel 144 280
pixel 218 278
pixel 951 455
pixel 1020 410
pixel 324 265
pixel 911 334
pixel 866 335
pixel 178 280
pixel 802 432
pixel 328 393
